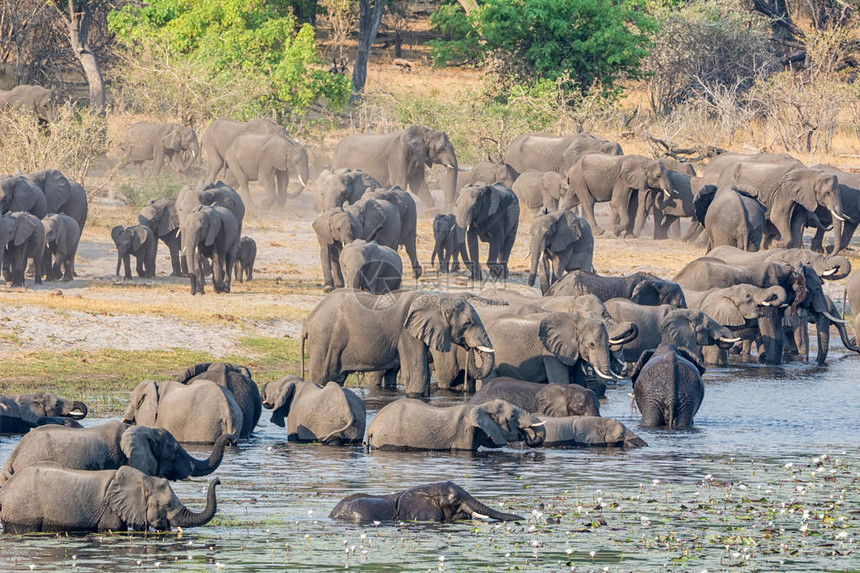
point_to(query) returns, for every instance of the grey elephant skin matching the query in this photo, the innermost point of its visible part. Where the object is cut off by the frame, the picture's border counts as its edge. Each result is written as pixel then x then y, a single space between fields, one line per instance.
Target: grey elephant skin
pixel 408 212
pixel 336 188
pixel 354 331
pixel 198 413
pixel 62 500
pixel 556 400
pixel 732 216
pixel 221 134
pixel 245 257
pixel 19 414
pixel 18 193
pixel 370 267
pixel 442 502
pixel 487 173
pixel 409 424
pixel 641 288
pixel 399 159
pixel 161 217
pixel 670 209
pixel 544 152
pixel 827 267
pixel 62 195
pixel 668 387
pixel 42 102
pixel 210 233
pixel 561 241
pixel 449 243
pixel 138 241
pixel 110 446
pixel 269 159
pixel 852 295
pixel 588 432
pixel 62 235
pixel 490 213
pixel 538 190
pixel 159 142
pixel 22 238
pixel 235 379
pixel 843 230
pixel 329 414
pixel 334 229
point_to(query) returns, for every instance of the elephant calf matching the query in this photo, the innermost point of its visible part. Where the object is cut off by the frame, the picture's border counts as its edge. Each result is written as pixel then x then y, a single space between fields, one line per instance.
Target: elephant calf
pixel 668 387
pixel 588 432
pixel 137 240
pixel 62 235
pixel 245 257
pixel 556 400
pixel 449 243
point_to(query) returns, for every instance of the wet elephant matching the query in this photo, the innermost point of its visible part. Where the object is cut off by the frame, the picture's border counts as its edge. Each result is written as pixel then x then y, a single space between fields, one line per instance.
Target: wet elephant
pixel 668 387
pixel 557 400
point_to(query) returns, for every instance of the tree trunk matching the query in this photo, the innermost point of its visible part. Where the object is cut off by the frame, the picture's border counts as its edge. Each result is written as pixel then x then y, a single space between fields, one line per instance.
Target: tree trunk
pixel 78 22
pixel 368 24
pixel 468 5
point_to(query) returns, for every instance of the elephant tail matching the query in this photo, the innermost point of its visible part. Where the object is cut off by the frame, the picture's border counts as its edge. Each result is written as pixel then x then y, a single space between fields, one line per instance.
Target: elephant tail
pixel 340 430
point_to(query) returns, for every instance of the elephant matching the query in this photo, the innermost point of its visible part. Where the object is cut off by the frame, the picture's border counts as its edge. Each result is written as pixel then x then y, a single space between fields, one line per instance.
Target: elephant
pixel 336 188
pixel 410 424
pixel 41 101
pixel 370 267
pixel 217 194
pixel 18 193
pixel 398 159
pixel 221 134
pixel 109 446
pixel 732 216
pixel 670 209
pixel 827 267
pixel 588 432
pixel 137 240
pixel 269 159
pixel 556 400
pixel 18 414
pixel 329 414
pixel 449 243
pixel 210 233
pixel 680 167
pixel 596 177
pixel 491 213
pixel 486 173
pixel 62 235
pixel 548 153
pixel 689 328
pixel 538 190
pixel 408 223
pixel 563 242
pixel 236 379
pixel 161 216
pixel 354 331
pixel 62 195
pixel 852 295
pixel 245 257
pixel 157 142
pixel 22 238
pixel 198 413
pixel 668 387
pixel 641 288
pixel 47 498
pixel 442 502
pixel 849 191
pixel 334 229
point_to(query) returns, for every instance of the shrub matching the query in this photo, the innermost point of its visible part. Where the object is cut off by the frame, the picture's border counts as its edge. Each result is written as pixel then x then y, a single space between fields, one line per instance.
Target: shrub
pixel 138 195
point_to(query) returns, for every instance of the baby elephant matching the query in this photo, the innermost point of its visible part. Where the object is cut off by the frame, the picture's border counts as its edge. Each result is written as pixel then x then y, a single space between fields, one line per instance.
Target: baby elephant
pixel 47 498
pixel 137 240
pixel 245 257
pixel 668 387
pixel 444 502
pixel 558 400
pixel 449 243
pixel 62 235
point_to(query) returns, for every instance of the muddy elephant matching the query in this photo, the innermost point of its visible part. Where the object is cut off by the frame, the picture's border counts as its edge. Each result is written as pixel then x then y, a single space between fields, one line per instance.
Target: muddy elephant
pixel 245 257
pixel 18 193
pixel 62 195
pixel 732 216
pixel 398 159
pixel 557 400
pixel 199 413
pixel 42 102
pixel 236 379
pixel 354 331
pixel 18 414
pixel 544 152
pixel 588 432
pixel 449 243
pixel 668 387
pixel 271 160
pixel 159 142
pixel 221 133
pixel 370 267
pixel 843 230
pixel 490 213
pixel 409 424
pixel 336 188
pixel 109 446
pixel 22 239
pixel 562 242
pixel 539 190
pixel 487 173
pixel 210 233
pixel 329 414
pixel 62 235
pixel 443 502
pixel 61 500
pixel 641 288
pixel 408 212
pixel 161 217
pixel 138 241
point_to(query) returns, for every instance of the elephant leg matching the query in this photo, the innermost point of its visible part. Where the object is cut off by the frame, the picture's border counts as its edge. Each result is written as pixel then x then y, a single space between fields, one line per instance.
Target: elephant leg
pixel 587 201
pixel 175 257
pixel 474 264
pixel 773 338
pixel 414 367
pixel 418 185
pixel 817 243
pixel 413 256
pixel 620 204
pixel 157 162
pixel 556 372
pixel 374 378
pixel 327 266
pixel 642 209
pixel 493 258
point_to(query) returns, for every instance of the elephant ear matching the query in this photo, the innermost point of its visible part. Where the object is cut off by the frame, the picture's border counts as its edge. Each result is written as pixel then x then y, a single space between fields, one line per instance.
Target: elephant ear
pixel 427 321
pixel 416 146
pixel 282 401
pixel 333 411
pixel 647 293
pixel 631 177
pixel 213 229
pixel 552 182
pixel 482 417
pixel 138 237
pixel 568 230
pixel 172 140
pixel 373 220
pixel 61 186
pixel 168 222
pixel 692 358
pixel 797 186
pixel 26 227
pixel 702 201
pixel 552 401
pixel 723 310
pixel 116 233
pixel 640 364
pixel 322 227
pixel 559 336
pixel 140 445
pixel 126 496
pixel 147 402
pixel 492 195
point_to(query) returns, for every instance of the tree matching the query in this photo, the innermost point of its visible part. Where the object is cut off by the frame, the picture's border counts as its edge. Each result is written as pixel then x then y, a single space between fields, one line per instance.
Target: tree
pixel 78 16
pixel 370 15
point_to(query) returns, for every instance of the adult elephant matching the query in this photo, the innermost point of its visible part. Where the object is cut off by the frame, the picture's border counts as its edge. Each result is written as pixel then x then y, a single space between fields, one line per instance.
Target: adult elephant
pixel 371 267
pixel 409 424
pixel 214 195
pixel 200 413
pixel 491 213
pixel 335 228
pixel 109 446
pixel 18 414
pixel 42 102
pixel 732 216
pixel 852 295
pixel 18 193
pixel 62 195
pixel 138 241
pixel 563 242
pixel 539 190
pixel 161 217
pixel 22 238
pixel 670 209
pixel 398 159
pixel 237 379
pixel 828 267
pixel 269 159
pixel 157 142
pixel 598 178
pixel 588 432
pixel 668 387
pixel 641 288
pixel 329 414
pixel 210 233
pixel 549 153
pixel 62 235
pixel 488 172
pixel 557 400
pixel 221 133
pixel 449 243
pixel 443 502
pixel 843 230
pixel 408 223
pixel 336 188
pixel 61 500
pixel 353 331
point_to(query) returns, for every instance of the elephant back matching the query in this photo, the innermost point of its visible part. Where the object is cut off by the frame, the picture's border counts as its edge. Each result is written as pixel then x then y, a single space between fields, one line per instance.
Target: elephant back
pixel 200 413
pixel 237 380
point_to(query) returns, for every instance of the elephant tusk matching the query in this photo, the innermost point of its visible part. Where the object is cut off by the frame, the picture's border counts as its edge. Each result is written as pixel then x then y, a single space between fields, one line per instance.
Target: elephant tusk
pixel 602 375
pixel 830 273
pixel 485 349
pixel 449 166
pixel 838 216
pixel 538 425
pixel 302 181
pixel 833 318
pixel 729 340
pixel 477 515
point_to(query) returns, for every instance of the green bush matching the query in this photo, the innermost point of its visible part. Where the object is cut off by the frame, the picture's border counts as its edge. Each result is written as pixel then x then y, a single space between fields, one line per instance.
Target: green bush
pixel 460 42
pixel 139 194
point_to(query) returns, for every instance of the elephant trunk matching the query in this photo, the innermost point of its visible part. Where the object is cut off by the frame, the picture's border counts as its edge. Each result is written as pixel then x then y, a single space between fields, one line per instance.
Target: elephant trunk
pixel 207 466
pixel 770 327
pixel 450 187
pixel 480 511
pixel 533 435
pixel 622 333
pixel 184 517
pixel 538 248
pixel 602 364
pixel 487 363
pixel 78 411
pixel 118 261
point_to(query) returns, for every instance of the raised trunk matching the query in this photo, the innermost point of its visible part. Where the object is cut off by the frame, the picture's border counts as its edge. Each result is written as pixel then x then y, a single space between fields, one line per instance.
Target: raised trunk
pixel 206 467
pixel 479 372
pixel 184 517
pixel 621 334
pixel 533 437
